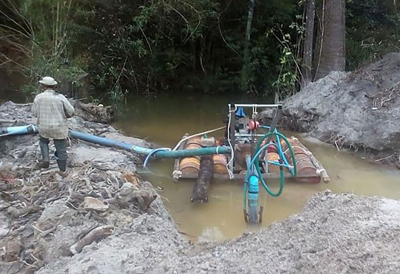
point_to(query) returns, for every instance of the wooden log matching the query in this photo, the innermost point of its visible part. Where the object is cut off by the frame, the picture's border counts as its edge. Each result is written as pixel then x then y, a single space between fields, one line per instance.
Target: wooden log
pixel 93 113
pixel 206 173
pixel 7 121
pixel 320 169
pixel 96 234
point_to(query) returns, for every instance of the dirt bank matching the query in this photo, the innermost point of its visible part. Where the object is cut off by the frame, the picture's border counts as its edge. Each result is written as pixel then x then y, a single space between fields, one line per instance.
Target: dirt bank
pixel 358 110
pixel 334 234
pixel 44 217
pixel 103 219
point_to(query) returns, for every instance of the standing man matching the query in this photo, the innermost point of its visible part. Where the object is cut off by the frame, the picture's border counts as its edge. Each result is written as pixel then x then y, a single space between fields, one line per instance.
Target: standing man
pixel 52 110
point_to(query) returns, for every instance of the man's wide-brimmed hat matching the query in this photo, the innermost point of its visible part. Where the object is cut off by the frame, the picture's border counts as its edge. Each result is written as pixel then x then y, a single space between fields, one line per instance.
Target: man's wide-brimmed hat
pixel 48 81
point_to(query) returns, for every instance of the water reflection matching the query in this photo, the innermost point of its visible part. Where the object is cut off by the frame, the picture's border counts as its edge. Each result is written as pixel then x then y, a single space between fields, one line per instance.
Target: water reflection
pixel 164 120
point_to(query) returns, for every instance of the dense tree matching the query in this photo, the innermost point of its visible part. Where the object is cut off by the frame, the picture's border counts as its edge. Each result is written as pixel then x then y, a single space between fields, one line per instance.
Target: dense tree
pixel 308 42
pixel 246 58
pixel 191 45
pixel 331 53
pixel 372 29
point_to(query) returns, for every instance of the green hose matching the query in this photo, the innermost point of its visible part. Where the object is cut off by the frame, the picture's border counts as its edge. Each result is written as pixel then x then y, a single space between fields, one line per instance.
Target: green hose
pixel 255 162
pixel 287 143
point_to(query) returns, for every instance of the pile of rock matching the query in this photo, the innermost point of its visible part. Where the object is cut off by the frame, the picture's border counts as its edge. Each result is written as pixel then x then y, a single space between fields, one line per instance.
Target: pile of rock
pixel 359 110
pixel 44 216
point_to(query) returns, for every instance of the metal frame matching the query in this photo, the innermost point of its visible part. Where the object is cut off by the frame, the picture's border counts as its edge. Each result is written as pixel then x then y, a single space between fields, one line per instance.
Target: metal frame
pixel 234 135
pixel 238 176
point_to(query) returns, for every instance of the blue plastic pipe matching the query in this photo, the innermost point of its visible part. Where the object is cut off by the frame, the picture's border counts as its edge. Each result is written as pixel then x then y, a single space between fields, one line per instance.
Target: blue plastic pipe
pixel 103 141
pixel 29 129
pixel 18 130
pixel 251 186
pixel 146 151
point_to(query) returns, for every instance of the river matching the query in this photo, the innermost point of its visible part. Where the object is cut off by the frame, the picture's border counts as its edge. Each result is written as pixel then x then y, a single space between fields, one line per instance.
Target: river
pixel 165 119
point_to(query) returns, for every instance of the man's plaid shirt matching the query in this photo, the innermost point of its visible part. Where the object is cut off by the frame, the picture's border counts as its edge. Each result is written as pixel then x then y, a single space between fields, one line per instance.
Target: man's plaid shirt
pixel 52 110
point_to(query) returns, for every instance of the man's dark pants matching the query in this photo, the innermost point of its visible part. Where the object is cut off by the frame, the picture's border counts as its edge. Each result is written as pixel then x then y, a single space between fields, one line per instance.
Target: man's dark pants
pixel 61 149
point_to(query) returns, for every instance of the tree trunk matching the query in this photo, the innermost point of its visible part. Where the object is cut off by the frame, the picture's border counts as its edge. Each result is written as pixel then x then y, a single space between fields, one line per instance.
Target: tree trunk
pixel 308 43
pixel 246 57
pixel 332 51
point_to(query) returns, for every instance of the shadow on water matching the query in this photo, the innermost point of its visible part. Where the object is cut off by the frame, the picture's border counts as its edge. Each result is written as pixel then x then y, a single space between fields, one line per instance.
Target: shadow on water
pixel 164 120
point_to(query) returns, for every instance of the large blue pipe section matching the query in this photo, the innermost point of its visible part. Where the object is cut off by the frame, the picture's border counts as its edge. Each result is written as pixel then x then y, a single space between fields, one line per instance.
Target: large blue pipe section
pixel 28 129
pixel 18 130
pixel 100 140
pixel 146 151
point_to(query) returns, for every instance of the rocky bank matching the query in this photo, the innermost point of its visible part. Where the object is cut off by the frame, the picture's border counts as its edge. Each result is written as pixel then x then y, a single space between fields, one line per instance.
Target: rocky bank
pixel 43 216
pixel 359 110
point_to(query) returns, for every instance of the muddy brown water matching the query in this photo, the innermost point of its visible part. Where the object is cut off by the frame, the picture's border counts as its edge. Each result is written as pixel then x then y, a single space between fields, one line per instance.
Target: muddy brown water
pixel 164 120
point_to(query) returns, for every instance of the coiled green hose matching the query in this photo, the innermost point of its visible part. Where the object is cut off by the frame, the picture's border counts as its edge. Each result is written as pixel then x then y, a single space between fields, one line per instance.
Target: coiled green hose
pixel 255 163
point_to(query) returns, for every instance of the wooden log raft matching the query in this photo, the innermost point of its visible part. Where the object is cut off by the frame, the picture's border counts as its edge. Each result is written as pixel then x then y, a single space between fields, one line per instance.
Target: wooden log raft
pixel 320 169
pixel 206 173
pixel 299 149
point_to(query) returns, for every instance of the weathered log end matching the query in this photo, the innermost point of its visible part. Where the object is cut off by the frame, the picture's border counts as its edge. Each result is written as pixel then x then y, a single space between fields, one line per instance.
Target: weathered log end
pixel 206 173
pixel 94 113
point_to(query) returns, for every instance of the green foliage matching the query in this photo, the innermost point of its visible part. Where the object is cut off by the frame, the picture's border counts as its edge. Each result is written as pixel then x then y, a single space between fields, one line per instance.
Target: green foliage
pixel 146 47
pixel 40 36
pixel 152 50
pixel 373 29
pixel 290 59
pixel 272 20
pixel 116 95
pixel 198 45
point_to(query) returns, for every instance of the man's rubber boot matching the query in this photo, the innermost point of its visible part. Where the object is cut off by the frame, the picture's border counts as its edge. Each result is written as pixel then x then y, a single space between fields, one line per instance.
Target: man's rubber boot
pixel 44 149
pixel 44 164
pixel 62 165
